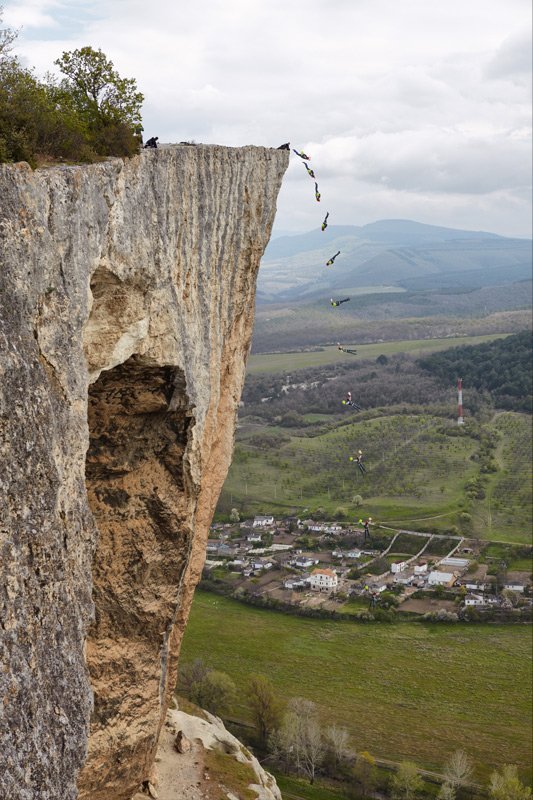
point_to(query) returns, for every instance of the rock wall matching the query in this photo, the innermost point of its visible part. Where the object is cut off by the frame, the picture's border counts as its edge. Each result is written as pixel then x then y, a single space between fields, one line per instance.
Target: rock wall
pixel 126 310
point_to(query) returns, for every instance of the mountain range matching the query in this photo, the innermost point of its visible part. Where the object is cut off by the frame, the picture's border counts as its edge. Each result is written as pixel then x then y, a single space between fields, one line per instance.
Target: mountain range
pixel 401 255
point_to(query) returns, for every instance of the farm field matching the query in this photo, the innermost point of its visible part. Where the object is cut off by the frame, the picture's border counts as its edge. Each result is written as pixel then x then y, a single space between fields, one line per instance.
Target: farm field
pixel 417 472
pixel 404 691
pixel 287 362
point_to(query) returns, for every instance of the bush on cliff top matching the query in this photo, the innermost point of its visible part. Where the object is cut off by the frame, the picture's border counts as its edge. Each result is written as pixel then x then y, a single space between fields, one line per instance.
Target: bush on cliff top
pixel 91 113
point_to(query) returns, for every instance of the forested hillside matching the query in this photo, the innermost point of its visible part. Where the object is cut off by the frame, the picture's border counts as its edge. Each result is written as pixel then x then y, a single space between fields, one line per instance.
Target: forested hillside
pixel 501 367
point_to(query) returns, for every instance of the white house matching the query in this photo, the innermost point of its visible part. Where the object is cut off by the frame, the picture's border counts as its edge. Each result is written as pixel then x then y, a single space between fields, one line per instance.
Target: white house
pixel 258 564
pixel 402 580
pixel 474 600
pixel 317 527
pixel 303 562
pixel 437 578
pixel 353 554
pixel 514 587
pixel 263 522
pixel 333 528
pixel 254 537
pixel 297 582
pixel 475 586
pixel 398 566
pixel 421 569
pixel 323 580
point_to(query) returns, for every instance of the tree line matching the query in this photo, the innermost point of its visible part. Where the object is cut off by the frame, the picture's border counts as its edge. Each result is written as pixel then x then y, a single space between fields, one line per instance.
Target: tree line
pixel 294 739
pixel 89 113
pixel 501 367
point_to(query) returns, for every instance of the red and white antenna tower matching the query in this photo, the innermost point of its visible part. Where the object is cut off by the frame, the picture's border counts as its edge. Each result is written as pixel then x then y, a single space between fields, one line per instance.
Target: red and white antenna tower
pixel 460 420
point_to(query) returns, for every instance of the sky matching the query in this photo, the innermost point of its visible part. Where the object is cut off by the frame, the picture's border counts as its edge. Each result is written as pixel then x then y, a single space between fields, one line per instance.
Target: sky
pixel 419 109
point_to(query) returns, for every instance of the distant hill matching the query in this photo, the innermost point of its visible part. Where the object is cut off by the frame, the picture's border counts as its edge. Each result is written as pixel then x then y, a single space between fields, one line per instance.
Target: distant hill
pixel 398 253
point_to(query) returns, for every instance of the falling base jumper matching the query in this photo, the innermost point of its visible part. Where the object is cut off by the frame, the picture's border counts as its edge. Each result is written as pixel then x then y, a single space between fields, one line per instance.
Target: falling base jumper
pixel 309 170
pixel 325 223
pixel 317 193
pixel 346 349
pixel 366 524
pixel 336 303
pixel 349 402
pixel 332 259
pixel 358 459
pixel 302 155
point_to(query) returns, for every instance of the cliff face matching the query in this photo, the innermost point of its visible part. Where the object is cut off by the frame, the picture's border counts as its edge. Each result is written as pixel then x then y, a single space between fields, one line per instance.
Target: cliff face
pixel 126 310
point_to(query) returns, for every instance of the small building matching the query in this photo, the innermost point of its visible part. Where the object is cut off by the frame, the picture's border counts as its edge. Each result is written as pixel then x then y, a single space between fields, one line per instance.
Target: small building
pixel 475 586
pixel 354 554
pixel 480 600
pixel 262 522
pixel 254 537
pixel 304 562
pixel 259 564
pixel 333 528
pixel 212 546
pixel 323 580
pixel 437 578
pixel 456 563
pixel 398 566
pixel 421 569
pixel 296 582
pixel 514 586
pixel 402 580
pixel 317 527
pixel 474 600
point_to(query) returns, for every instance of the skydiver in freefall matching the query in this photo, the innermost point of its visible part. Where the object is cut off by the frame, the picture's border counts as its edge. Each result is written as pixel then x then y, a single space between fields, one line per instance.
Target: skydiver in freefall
pixel 350 402
pixel 346 349
pixel 302 155
pixel 332 259
pixel 317 193
pixel 336 303
pixel 325 223
pixel 359 461
pixel 309 170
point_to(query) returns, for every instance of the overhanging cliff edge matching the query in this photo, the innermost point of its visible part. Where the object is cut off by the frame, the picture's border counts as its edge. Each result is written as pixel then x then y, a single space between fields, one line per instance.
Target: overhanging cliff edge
pixel 126 309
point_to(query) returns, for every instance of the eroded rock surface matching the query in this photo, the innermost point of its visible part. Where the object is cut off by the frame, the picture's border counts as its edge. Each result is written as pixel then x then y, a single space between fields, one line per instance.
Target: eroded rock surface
pixel 214 766
pixel 126 310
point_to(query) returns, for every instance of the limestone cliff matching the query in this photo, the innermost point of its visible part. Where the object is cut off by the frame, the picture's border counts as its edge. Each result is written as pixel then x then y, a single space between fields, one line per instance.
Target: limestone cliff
pixel 126 309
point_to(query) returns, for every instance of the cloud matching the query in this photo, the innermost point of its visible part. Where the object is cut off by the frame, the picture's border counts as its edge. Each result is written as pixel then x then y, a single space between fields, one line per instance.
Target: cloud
pixel 411 103
pixel 512 59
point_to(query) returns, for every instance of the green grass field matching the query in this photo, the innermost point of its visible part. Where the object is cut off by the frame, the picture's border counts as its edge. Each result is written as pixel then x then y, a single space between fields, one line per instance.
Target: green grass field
pixel 404 691
pixel 505 514
pixel 416 477
pixel 288 362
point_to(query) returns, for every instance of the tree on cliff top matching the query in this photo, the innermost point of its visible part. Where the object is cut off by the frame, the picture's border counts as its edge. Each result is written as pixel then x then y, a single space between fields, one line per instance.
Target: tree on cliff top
pixel 7 37
pixel 109 105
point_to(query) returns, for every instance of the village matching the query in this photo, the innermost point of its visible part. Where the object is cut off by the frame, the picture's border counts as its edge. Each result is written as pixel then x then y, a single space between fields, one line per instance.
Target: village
pixel 363 567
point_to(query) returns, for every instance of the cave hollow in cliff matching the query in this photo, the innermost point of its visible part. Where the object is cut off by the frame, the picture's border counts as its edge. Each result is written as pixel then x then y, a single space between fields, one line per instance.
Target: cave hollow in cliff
pixel 139 493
